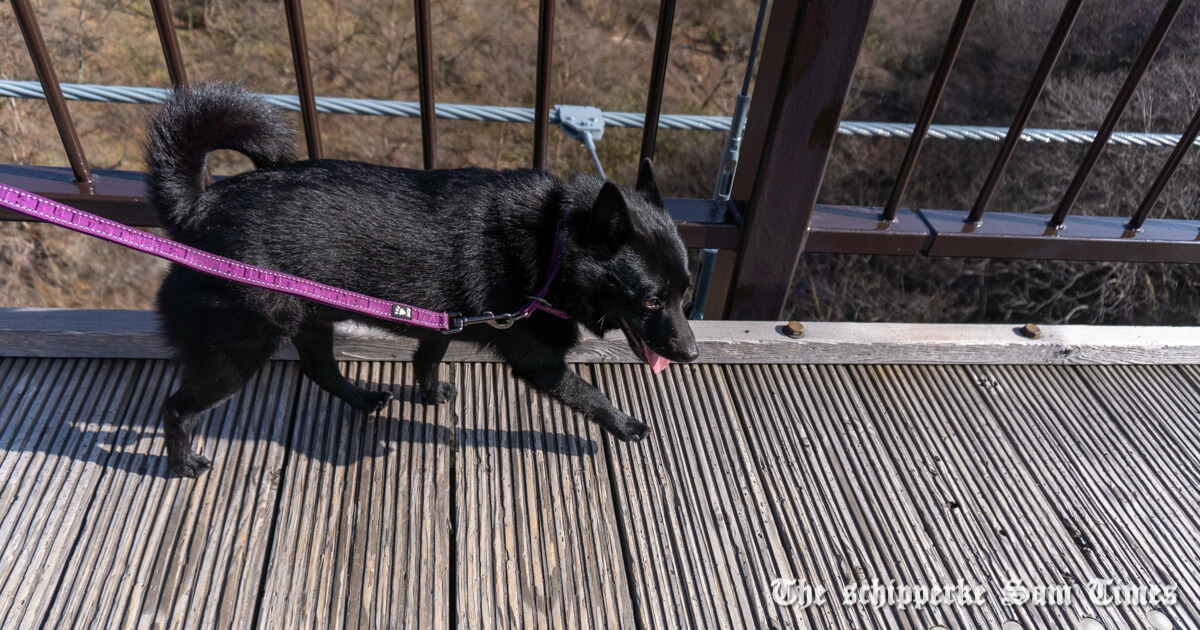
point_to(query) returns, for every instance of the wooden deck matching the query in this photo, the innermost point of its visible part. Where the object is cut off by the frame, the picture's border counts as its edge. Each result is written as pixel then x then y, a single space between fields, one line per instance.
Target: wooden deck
pixel 503 510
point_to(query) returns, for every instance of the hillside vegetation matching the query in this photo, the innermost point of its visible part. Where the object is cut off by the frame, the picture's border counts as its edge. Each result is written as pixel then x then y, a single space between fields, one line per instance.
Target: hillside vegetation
pixel 485 54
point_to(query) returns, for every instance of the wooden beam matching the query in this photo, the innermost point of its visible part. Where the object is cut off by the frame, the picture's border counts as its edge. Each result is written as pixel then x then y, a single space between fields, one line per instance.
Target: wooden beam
pixel 30 332
pixel 807 66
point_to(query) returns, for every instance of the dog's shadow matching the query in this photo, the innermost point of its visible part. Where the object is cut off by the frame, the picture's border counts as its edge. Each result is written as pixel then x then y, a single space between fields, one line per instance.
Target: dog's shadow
pixel 318 427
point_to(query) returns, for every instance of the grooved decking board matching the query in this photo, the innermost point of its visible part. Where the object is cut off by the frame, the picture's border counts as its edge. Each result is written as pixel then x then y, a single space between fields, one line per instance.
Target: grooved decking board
pixel 842 508
pixel 161 551
pixel 704 545
pixel 981 500
pixel 362 538
pixel 918 475
pixel 57 415
pixel 538 545
pixel 149 549
pixel 1116 446
pixel 318 516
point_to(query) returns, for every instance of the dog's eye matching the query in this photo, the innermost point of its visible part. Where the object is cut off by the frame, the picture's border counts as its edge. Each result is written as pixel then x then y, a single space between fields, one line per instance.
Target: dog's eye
pixel 652 303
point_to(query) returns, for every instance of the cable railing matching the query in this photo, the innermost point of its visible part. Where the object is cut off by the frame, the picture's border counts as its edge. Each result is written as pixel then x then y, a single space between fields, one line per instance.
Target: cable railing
pixel 92 93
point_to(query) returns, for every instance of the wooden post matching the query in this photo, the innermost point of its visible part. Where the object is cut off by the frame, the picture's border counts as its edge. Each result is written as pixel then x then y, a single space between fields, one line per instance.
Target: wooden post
pixel 808 63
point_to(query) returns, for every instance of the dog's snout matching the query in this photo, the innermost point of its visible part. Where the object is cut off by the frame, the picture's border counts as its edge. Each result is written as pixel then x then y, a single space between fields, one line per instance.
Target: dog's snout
pixel 689 354
pixel 685 351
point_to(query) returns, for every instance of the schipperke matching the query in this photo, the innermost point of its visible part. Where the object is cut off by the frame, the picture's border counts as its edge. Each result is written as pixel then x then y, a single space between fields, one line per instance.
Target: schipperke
pixel 463 240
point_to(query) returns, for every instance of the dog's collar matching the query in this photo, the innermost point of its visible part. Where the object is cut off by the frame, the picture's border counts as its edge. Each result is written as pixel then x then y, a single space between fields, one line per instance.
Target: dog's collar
pixel 538 301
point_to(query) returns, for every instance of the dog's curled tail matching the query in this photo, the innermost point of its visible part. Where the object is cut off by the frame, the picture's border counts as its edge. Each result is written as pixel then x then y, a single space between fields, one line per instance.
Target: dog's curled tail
pixel 196 121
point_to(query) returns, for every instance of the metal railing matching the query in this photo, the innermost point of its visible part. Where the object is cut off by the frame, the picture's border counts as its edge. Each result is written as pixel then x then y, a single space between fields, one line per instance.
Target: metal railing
pixel 800 88
pixel 762 284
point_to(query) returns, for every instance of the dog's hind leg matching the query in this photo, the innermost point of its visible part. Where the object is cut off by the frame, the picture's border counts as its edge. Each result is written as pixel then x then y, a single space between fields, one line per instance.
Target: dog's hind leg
pixel 207 379
pixel 315 346
pixel 430 352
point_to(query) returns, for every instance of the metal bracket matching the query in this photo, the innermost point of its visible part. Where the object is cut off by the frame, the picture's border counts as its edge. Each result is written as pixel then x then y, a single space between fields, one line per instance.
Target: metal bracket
pixel 585 124
pixel 579 121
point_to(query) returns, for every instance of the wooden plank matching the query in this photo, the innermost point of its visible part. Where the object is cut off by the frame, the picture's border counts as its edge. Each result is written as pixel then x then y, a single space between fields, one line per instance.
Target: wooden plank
pixel 363 530
pixel 703 544
pixel 976 499
pixel 843 512
pixel 1118 470
pixel 537 545
pixel 57 413
pixel 133 334
pixel 161 550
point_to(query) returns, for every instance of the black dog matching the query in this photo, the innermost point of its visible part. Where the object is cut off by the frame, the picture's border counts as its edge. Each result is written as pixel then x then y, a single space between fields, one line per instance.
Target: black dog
pixel 467 241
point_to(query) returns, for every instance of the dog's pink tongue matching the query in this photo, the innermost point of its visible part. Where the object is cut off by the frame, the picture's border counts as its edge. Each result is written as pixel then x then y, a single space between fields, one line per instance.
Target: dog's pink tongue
pixel 657 362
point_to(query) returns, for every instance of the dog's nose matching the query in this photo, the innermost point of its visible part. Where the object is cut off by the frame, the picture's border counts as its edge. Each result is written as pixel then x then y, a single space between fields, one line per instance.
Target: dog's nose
pixel 688 353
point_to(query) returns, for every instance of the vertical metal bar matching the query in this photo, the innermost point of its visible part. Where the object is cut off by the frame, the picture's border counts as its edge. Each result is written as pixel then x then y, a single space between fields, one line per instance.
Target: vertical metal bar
pixel 733 142
pixel 722 284
pixel 1149 49
pixel 54 98
pixel 803 80
pixel 1032 94
pixel 545 59
pixel 708 260
pixel 424 26
pixel 170 42
pixel 304 78
pixel 1168 169
pixel 658 76
pixel 942 74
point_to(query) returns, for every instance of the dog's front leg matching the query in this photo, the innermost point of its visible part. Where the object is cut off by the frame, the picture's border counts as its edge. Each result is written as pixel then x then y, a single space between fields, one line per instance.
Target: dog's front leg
pixel 556 380
pixel 430 351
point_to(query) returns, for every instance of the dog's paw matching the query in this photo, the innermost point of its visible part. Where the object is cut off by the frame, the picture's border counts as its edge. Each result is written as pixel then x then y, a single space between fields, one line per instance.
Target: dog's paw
pixel 190 465
pixel 444 392
pixel 628 429
pixel 372 402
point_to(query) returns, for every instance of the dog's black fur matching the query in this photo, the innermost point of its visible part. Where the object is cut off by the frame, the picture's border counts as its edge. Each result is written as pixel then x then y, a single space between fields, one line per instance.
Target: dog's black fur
pixel 469 240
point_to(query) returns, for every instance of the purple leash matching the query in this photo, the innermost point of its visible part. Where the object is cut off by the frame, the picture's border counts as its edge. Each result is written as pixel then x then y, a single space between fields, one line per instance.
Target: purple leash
pixel 74 219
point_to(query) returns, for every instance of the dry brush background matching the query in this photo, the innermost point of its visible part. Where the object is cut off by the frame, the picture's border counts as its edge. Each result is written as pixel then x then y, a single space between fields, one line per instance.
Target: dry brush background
pixel 485 54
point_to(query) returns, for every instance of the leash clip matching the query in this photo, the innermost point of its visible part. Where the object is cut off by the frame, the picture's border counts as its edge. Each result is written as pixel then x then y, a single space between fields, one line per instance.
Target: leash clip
pixel 501 322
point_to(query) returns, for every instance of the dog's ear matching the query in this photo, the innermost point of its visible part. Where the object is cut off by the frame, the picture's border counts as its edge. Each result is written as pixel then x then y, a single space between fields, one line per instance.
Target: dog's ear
pixel 646 183
pixel 608 221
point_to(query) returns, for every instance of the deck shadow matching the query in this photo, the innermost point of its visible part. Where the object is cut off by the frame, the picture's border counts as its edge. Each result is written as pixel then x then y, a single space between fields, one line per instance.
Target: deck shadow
pixel 273 406
pixel 345 436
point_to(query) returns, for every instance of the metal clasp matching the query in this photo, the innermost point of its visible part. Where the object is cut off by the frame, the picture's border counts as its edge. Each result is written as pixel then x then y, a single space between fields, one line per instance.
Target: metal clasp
pixel 501 321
